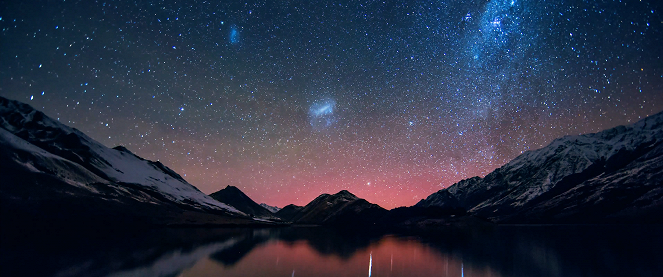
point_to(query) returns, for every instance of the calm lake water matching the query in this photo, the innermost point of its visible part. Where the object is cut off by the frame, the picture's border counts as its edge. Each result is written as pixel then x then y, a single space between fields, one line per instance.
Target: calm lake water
pixel 493 251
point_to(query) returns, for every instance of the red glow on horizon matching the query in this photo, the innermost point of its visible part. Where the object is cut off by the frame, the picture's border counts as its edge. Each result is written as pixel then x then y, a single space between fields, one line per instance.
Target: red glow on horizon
pixel 390 189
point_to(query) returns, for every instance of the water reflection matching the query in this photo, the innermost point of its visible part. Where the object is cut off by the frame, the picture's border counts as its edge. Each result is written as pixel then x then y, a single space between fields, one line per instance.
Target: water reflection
pixel 495 251
pixel 389 256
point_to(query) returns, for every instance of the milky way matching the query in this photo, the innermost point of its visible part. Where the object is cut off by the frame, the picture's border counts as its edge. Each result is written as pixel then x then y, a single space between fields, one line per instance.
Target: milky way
pixel 287 100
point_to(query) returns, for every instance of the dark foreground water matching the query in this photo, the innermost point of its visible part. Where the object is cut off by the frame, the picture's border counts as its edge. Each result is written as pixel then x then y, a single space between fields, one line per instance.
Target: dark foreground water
pixel 492 251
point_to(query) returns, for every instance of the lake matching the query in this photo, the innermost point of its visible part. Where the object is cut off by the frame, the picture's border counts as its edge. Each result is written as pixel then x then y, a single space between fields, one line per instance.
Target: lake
pixel 606 250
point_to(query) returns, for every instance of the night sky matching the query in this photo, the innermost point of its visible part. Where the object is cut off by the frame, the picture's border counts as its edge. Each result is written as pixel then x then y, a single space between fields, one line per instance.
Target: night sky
pixel 392 100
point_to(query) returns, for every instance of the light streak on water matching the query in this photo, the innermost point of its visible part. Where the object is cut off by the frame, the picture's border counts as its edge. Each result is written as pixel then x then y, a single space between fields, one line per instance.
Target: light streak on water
pixel 370 264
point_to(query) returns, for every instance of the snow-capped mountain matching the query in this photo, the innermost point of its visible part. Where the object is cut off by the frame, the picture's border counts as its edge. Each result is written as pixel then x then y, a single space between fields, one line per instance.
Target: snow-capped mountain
pixel 612 176
pixel 39 147
pixel 272 209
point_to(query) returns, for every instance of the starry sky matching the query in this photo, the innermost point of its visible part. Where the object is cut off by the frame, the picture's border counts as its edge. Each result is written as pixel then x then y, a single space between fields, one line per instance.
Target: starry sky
pixel 391 100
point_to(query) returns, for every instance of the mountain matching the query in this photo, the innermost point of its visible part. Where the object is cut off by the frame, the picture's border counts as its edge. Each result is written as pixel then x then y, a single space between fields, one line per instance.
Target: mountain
pixel 50 169
pixel 289 212
pixel 614 176
pixel 340 209
pixel 236 198
pixel 272 209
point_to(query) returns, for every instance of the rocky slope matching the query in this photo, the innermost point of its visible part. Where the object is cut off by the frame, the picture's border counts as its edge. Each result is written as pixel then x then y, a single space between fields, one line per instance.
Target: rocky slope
pixel 272 209
pixel 50 168
pixel 612 176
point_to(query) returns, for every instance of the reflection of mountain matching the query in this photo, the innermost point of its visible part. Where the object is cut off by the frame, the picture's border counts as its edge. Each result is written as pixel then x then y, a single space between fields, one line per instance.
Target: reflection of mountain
pixel 612 176
pixel 328 242
pixel 248 241
pixel 137 252
pixel 174 262
pixel 564 250
pixel 511 251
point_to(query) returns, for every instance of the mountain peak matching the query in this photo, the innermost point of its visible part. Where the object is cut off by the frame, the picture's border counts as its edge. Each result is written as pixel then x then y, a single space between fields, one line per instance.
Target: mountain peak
pixel 233 188
pixel 340 208
pixel 237 198
pixel 229 191
pixel 346 194
pixel 121 148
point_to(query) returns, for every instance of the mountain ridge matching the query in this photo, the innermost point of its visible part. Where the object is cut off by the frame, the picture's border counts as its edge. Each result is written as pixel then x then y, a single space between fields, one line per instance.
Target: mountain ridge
pixel 539 185
pixel 235 197
pixel 612 176
pixel 272 209
pixel 58 163
pixel 340 209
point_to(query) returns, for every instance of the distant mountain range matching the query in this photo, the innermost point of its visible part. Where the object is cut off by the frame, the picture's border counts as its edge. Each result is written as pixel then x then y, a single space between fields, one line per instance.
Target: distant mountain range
pixel 608 177
pixel 337 209
pixel 54 173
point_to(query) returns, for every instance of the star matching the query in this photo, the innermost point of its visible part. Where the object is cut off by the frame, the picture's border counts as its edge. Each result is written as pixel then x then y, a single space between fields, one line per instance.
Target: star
pixel 288 101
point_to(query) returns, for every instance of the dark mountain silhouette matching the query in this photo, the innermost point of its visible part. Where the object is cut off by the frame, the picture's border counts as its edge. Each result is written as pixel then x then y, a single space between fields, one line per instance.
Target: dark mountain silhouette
pixel 289 212
pixel 235 197
pixel 340 209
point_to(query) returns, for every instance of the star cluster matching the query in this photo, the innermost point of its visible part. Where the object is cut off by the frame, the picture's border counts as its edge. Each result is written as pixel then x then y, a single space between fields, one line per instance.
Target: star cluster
pixel 392 100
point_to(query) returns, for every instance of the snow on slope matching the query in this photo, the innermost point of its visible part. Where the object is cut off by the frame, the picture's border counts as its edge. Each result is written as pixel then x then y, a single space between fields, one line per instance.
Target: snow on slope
pixel 129 168
pixel 119 166
pixel 568 161
pixel 72 173
pixel 272 209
